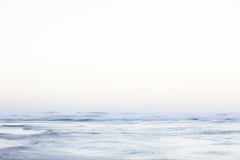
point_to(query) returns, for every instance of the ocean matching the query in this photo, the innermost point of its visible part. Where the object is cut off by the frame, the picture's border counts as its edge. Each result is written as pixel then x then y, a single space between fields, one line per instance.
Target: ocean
pixel 120 136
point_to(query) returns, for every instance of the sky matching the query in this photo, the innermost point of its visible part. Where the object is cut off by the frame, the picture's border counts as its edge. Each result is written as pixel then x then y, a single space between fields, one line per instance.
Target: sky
pixel 120 55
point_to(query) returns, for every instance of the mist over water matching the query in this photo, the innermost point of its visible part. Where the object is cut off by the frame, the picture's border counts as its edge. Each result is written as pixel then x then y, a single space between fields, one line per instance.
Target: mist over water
pixel 126 136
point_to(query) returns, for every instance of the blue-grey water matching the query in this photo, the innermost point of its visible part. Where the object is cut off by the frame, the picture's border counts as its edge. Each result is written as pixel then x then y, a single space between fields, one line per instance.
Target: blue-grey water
pixel 123 136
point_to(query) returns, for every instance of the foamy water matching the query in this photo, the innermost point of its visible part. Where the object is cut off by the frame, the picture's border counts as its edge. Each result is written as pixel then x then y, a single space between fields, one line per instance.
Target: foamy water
pixel 126 136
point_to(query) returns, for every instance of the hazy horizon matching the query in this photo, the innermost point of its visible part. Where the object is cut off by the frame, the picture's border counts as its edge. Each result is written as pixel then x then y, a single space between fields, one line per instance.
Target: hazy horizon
pixel 120 56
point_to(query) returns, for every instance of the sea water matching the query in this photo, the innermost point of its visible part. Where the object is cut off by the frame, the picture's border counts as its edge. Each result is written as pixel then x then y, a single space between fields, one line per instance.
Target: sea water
pixel 120 136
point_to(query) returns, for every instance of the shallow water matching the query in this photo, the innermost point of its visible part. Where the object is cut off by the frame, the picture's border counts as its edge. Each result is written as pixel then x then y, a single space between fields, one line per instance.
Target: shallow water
pixel 125 136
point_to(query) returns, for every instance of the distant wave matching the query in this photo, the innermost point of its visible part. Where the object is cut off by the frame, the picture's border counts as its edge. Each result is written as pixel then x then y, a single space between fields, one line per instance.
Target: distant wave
pixel 8 136
pixel 107 117
pixel 220 132
pixel 70 119
pixel 12 125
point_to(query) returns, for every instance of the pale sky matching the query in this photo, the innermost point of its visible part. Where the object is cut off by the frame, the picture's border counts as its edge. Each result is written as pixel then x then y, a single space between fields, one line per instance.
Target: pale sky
pixel 120 55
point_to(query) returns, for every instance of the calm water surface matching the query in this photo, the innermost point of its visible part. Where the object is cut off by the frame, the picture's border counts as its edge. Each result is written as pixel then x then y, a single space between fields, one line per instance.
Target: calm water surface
pixel 125 136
